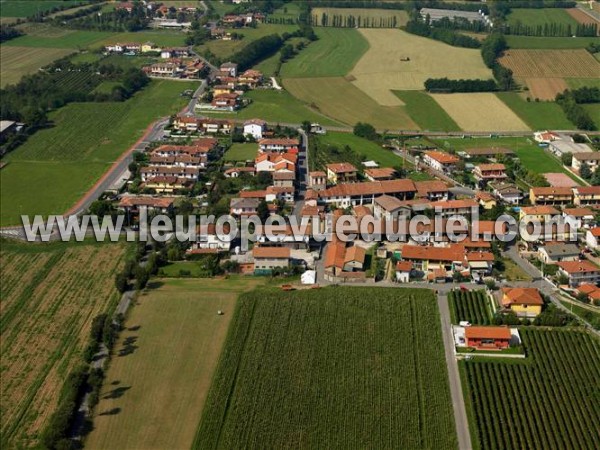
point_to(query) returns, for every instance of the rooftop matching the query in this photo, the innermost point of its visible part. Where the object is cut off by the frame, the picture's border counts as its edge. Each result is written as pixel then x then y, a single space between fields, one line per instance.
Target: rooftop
pixel 577 266
pixel 487 333
pixel 442 158
pixel 271 252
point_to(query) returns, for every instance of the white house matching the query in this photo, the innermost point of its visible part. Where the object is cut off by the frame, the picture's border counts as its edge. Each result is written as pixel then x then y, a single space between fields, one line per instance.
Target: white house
pixel 551 254
pixel 255 128
pixel 592 238
pixel 403 270
pixel 440 161
pixel 207 238
pixel 578 217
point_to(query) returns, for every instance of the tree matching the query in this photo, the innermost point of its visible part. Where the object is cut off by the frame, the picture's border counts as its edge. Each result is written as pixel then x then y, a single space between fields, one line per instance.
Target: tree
pixel 366 130
pixel 306 126
pixel 121 282
pixel 585 171
pixel 141 278
pixel 567 158
pixel 263 211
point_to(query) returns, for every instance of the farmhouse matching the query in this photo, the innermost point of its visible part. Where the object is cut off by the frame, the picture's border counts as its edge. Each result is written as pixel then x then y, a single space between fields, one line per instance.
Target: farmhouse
pixel 440 161
pixel 351 194
pixel 488 338
pixel 592 159
pixel 586 195
pixel 284 179
pixel 490 172
pixel 317 180
pixel 524 302
pixel 579 272
pixel 255 128
pixel 268 258
pixel 380 174
pixel 551 196
pixel 341 173
pixel 279 145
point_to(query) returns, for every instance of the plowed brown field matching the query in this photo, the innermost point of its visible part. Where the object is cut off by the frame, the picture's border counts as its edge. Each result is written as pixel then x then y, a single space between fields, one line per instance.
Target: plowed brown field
pixel 551 63
pixel 582 17
pixel 546 88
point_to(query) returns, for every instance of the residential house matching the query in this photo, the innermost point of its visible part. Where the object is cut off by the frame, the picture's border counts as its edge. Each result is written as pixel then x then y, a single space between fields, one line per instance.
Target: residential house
pixel 434 190
pixel 285 194
pixel 250 78
pixel 545 137
pixel 524 302
pixel 163 69
pixel 486 200
pixel 271 162
pixel 351 194
pixel 175 52
pixel 220 89
pixel 586 195
pixel 149 47
pixel 592 238
pixel 187 173
pixel 255 128
pixel 403 271
pixel 579 217
pixel 560 196
pixel 388 208
pixel 317 180
pixel 167 184
pixel 380 174
pixel 557 252
pixel 507 193
pixel 540 214
pixel 230 68
pixel 235 172
pixel 354 258
pixel 448 208
pixel 563 146
pixel 592 159
pixel 181 160
pixel 226 102
pixel 243 206
pixel 579 272
pixel 279 145
pixel 284 179
pixel 440 161
pixel 341 173
pixel 133 204
pixel 490 172
pixel 488 338
pixel 431 259
pixel 268 258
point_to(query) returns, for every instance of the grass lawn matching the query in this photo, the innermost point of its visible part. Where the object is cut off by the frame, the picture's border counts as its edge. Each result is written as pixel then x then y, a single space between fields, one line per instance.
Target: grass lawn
pixel 86 57
pixel 72 39
pixel 513 272
pixel 426 112
pixel 558 43
pixel 594 111
pixel 20 61
pixel 538 115
pixel 535 17
pixel 576 83
pixel 370 150
pixel 278 106
pixel 106 87
pixel 158 380
pixel 50 294
pixel 337 367
pixel 531 155
pixel 333 55
pixel 26 8
pixel 590 316
pixel 241 152
pixel 48 173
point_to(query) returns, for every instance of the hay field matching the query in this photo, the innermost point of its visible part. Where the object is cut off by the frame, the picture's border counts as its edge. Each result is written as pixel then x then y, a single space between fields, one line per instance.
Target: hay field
pixel 480 112
pixel 159 378
pixel 382 70
pixel 19 61
pixel 50 294
pixel 551 63
pixel 338 98
pixel 373 18
pixel 545 88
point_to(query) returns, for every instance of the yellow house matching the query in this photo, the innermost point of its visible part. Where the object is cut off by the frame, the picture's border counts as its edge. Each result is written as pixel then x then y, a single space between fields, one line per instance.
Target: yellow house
pixel 486 200
pixel 537 213
pixel 524 302
pixel 166 185
pixel 150 47
pixel 222 89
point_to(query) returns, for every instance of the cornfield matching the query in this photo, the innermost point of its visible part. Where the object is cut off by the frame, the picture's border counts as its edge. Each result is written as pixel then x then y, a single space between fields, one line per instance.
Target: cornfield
pixel 550 401
pixel 470 306
pixel 331 368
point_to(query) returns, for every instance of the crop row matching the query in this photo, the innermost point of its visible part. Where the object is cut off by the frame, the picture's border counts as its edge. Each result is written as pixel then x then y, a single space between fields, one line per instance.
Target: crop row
pixel 470 306
pixel 547 402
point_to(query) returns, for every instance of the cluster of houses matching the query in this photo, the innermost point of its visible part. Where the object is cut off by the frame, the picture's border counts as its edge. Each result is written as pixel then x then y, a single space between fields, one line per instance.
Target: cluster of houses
pixel 190 124
pixel 229 86
pixel 133 48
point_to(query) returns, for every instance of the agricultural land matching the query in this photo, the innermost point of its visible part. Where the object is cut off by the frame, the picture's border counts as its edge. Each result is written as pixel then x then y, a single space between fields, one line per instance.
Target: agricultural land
pixel 470 306
pixel 164 363
pixel 369 18
pixel 541 17
pixel 540 402
pixel 335 356
pixel 19 61
pixel 25 8
pixel 50 294
pixel 56 166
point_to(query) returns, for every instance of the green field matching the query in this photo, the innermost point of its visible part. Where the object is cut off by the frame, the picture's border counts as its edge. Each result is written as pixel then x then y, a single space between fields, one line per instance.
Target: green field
pixel 363 147
pixel 593 317
pixel 26 8
pixel 48 173
pixel 278 106
pixel 73 40
pixel 532 42
pixel 331 368
pixel 426 112
pixel 540 17
pixel 333 55
pixel 547 401
pixel 576 83
pixel 538 115
pixel 165 359
pixel 50 294
pixel 20 61
pixel 241 152
pixel 471 306
pixel 594 111
pixel 161 38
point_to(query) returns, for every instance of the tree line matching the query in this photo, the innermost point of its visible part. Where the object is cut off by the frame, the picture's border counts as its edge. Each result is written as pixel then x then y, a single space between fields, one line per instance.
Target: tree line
pixel 8 32
pixel 427 29
pixel 462 85
pixel 552 30
pixel 352 21
pixel 571 102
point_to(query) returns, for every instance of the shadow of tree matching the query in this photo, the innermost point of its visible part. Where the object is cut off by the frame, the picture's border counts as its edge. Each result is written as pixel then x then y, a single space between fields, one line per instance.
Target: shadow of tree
pixel 110 412
pixel 116 393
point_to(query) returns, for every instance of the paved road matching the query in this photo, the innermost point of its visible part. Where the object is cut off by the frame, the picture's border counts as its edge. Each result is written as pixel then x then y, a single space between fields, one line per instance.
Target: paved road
pixel 456 392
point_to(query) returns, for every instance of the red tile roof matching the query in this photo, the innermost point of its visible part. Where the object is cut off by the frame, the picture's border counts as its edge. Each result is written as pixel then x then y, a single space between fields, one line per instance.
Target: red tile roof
pixel 521 296
pixel 442 158
pixel 271 252
pixel 588 190
pixel 341 167
pixel 369 188
pixel 577 266
pixel 487 333
pixel 491 167
pixel 454 252
pixel 404 266
pixel 539 210
pixel 566 191
pixel 383 172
